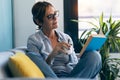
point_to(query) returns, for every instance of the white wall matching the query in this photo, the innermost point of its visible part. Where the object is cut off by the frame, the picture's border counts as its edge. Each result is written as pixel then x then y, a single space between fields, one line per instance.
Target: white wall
pixel 23 24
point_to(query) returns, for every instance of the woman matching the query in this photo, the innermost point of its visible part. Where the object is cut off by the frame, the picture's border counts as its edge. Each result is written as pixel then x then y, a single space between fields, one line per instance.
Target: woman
pixel 52 50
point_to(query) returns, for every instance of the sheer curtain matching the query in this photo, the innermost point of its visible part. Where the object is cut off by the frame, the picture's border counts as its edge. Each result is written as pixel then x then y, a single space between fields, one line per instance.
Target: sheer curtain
pixel 6 26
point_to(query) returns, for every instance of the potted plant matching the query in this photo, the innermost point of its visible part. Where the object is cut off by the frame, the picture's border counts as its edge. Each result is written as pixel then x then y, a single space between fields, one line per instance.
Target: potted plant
pixel 111 29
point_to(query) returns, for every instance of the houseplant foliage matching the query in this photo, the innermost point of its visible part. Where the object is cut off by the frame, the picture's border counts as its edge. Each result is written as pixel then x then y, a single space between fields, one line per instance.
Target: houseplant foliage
pixel 110 66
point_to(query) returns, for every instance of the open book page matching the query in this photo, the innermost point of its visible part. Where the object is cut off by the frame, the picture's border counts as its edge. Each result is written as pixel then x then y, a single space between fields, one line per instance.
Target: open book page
pixel 94 42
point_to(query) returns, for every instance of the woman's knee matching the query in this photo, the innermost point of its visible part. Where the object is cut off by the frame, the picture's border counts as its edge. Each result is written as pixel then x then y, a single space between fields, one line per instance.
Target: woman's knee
pixel 92 57
pixel 89 65
pixel 94 54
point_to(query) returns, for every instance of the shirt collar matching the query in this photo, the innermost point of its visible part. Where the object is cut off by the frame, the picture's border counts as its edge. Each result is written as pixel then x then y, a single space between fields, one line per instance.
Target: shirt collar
pixel 60 37
pixel 43 36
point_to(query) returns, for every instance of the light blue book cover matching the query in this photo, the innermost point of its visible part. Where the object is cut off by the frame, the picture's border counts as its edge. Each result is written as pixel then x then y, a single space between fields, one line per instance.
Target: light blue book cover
pixel 94 42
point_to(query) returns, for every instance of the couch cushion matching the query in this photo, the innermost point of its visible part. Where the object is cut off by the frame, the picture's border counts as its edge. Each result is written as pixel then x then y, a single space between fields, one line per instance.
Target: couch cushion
pixel 21 66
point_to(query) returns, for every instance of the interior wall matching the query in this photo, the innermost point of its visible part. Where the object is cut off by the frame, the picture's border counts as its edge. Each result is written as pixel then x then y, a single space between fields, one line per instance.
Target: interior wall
pixel 23 24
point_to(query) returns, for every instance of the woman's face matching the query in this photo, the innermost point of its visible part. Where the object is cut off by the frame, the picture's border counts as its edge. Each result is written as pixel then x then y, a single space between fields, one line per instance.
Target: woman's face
pixel 50 20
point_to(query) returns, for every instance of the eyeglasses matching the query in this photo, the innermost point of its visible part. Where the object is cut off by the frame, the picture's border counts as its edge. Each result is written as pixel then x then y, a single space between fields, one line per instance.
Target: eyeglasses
pixel 52 16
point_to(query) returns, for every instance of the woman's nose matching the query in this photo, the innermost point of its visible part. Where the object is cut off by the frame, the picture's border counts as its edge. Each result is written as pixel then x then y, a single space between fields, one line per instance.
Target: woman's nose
pixel 55 18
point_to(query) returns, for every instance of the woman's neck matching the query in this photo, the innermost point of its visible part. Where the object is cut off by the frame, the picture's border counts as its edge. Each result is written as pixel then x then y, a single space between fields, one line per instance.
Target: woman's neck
pixel 49 34
pixel 52 36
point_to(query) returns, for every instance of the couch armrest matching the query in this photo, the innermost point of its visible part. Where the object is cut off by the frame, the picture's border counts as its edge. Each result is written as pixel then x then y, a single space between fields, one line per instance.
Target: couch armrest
pixel 4 70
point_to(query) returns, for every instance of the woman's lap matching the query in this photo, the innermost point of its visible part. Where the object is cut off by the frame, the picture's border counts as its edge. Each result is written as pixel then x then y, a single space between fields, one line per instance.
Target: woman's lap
pixel 88 66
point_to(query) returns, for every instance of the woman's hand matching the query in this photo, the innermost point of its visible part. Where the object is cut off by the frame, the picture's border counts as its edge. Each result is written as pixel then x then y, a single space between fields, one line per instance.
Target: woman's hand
pixel 60 48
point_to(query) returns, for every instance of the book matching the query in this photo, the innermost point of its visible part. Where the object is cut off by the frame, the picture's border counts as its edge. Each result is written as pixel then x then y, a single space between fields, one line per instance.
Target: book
pixel 94 42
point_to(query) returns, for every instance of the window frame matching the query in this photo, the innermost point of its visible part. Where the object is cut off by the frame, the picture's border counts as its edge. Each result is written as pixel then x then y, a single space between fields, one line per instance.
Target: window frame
pixel 71 28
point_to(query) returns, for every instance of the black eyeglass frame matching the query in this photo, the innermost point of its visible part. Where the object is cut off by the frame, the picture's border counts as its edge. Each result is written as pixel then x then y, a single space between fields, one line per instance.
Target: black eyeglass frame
pixel 52 16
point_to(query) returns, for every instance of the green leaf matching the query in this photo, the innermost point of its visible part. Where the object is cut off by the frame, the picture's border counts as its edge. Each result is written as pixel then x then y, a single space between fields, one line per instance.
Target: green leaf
pixel 101 20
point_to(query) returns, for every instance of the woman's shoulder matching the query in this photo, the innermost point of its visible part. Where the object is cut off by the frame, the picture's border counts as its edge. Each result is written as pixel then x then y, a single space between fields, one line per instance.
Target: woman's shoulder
pixel 35 35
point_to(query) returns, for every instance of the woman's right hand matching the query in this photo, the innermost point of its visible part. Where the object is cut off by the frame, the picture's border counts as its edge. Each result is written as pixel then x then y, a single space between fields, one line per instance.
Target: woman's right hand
pixel 61 47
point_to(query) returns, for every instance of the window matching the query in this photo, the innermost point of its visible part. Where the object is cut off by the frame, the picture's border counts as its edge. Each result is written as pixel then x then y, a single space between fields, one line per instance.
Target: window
pixel 87 9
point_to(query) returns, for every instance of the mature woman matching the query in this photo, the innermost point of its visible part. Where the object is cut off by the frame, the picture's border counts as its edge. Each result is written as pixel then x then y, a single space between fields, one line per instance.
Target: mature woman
pixel 52 50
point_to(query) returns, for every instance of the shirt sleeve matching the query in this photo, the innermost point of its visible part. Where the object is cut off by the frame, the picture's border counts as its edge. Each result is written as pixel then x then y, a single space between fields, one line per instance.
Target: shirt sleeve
pixel 31 45
pixel 36 45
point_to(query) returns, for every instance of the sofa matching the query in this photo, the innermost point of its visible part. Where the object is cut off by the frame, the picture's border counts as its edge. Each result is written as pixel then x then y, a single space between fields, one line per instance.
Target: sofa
pixel 6 74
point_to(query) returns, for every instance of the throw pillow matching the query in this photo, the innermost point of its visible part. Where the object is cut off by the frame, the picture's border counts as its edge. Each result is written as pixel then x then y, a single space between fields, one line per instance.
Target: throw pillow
pixel 22 66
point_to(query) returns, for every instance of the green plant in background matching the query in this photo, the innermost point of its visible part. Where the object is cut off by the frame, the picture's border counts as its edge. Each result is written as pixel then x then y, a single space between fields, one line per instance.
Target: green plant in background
pixel 111 66
pixel 111 29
